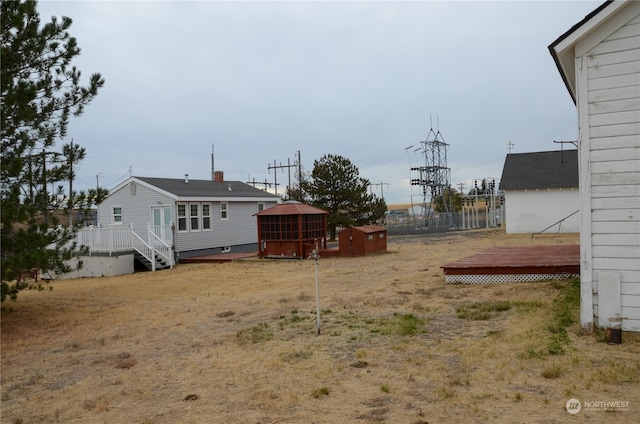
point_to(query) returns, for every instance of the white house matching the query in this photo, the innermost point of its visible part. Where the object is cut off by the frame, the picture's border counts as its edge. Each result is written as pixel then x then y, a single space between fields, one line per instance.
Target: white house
pixel 206 216
pixel 178 218
pixel 541 192
pixel 599 60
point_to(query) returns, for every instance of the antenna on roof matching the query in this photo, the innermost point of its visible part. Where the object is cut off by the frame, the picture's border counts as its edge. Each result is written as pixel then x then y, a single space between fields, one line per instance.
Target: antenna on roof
pixel 562 143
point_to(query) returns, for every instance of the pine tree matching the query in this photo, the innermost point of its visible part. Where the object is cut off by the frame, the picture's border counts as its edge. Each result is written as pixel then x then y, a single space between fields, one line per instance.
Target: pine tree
pixel 336 186
pixel 40 92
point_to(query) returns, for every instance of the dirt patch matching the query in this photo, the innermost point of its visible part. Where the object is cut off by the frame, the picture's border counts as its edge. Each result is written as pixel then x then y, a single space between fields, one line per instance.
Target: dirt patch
pixel 237 343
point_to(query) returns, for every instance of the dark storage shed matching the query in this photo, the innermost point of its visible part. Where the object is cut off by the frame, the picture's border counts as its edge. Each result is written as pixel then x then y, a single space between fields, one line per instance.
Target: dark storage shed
pixel 363 240
pixel 291 230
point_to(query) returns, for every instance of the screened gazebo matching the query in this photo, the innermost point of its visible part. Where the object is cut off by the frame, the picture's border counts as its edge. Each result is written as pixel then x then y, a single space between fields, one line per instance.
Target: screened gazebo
pixel 291 230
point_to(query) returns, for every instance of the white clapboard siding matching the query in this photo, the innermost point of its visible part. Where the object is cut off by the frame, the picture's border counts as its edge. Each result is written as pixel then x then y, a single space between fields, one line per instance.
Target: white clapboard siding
pixel 615 240
pixel 625 49
pixel 617 264
pixel 614 118
pixel 628 106
pixel 615 166
pixel 625 154
pixel 616 203
pixel 613 192
pixel 615 130
pixel 612 82
pixel 616 179
pixel 613 70
pixel 609 78
pixel 613 227
pixel 612 215
pixel 623 252
pixel 630 289
pixel 613 94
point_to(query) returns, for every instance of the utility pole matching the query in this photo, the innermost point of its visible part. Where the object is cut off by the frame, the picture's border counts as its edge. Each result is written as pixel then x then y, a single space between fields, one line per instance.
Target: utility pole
pixel 299 176
pixel 381 184
pixel 461 185
pixel 281 166
pixel 45 194
pixel 255 183
pixel 70 203
pixel 510 146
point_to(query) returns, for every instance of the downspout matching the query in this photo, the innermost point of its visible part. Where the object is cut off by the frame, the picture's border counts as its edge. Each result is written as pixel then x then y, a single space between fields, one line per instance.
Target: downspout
pixel 174 232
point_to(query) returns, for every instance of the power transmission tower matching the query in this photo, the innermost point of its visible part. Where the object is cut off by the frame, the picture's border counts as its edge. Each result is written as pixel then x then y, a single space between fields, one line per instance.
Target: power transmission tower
pixel 435 179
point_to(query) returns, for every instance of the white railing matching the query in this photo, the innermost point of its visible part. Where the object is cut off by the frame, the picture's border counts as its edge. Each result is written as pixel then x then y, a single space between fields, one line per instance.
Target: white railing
pixel 107 240
pixel 144 249
pixel 163 233
pixel 112 240
pixel 161 247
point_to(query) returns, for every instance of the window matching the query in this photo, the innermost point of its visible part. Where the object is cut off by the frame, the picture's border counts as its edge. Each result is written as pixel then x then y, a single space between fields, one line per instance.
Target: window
pixel 116 214
pixel 206 216
pixel 182 217
pixel 194 217
pixel 224 211
pixel 260 206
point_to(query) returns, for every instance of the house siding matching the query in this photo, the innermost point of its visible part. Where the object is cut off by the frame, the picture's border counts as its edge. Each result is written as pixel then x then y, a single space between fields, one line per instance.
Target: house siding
pixel 531 211
pixel 136 208
pixel 608 92
pixel 240 229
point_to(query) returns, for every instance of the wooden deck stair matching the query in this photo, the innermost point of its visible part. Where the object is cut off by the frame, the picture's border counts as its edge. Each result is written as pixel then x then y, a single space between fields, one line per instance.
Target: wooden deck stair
pixel 515 264
pixel 161 262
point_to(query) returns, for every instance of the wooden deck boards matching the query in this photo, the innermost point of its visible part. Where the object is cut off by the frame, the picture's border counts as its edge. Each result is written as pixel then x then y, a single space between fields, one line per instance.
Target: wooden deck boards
pixel 518 262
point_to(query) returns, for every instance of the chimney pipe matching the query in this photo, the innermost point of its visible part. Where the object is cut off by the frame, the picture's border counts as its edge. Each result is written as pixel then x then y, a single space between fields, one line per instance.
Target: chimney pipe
pixel 186 178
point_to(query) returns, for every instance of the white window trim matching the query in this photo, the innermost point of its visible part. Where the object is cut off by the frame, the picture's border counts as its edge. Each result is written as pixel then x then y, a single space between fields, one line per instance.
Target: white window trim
pixel 113 215
pixel 202 216
pixel 260 209
pixel 197 216
pixel 185 217
pixel 226 210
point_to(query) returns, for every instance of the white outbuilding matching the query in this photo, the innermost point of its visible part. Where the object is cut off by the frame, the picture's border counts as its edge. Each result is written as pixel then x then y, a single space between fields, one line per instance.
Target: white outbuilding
pixel 541 192
pixel 599 60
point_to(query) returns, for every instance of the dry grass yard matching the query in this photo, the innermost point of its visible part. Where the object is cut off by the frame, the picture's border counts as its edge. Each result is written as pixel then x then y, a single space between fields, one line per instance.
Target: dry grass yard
pixel 237 343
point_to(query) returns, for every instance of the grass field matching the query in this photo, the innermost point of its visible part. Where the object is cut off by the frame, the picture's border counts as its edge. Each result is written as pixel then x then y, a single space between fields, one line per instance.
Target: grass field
pixel 237 343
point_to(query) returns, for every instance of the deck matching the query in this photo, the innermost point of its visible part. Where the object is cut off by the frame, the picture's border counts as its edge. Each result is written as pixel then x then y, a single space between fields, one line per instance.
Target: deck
pixel 515 264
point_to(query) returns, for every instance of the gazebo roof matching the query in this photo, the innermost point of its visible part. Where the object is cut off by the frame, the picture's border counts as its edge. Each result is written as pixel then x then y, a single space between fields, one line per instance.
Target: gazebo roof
pixel 292 208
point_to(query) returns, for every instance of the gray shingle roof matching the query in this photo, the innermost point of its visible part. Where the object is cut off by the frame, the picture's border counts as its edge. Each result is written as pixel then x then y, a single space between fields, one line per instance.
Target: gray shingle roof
pixel 207 188
pixel 555 169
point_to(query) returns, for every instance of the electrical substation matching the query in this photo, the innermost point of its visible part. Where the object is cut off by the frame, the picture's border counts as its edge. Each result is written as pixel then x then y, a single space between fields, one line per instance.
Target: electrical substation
pixel 486 200
pixel 434 179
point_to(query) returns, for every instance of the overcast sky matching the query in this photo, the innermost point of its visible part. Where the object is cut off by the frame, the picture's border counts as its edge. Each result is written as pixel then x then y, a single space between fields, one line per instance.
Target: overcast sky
pixel 260 81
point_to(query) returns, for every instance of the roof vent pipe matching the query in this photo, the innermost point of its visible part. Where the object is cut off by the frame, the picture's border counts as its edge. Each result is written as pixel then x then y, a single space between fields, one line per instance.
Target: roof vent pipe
pixel 186 178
